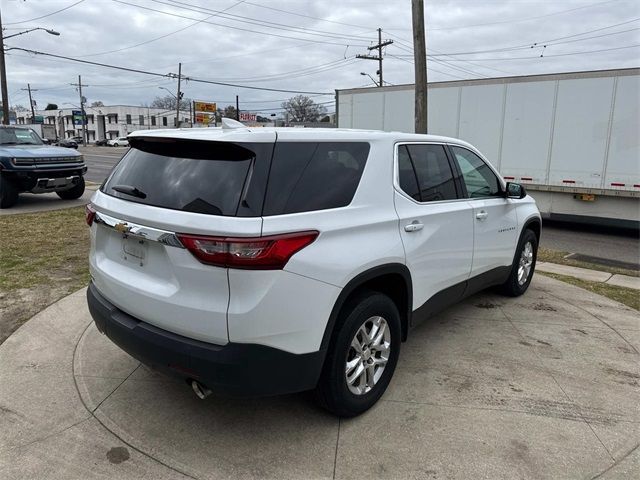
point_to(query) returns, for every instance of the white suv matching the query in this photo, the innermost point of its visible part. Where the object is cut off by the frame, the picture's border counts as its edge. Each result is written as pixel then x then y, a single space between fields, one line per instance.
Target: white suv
pixel 270 261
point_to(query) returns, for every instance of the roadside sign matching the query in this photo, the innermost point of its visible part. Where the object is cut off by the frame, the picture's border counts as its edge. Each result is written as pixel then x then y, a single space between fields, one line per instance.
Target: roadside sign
pixel 77 117
pixel 205 107
pixel 204 118
pixel 247 117
pixel 38 119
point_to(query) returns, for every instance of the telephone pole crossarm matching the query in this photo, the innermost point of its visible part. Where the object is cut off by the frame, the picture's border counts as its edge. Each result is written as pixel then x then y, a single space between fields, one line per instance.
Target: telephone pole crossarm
pixel 380 45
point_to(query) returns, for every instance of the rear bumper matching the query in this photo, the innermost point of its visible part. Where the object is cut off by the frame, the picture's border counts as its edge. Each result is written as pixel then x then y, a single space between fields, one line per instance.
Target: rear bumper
pixel 234 369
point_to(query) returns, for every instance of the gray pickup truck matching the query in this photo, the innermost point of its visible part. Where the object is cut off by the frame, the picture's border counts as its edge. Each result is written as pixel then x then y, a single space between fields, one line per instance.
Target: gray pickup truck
pixel 28 165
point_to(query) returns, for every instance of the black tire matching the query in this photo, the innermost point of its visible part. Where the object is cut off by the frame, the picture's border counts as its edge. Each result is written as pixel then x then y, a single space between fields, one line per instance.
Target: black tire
pixel 8 193
pixel 513 287
pixel 75 192
pixel 332 391
pixel 116 145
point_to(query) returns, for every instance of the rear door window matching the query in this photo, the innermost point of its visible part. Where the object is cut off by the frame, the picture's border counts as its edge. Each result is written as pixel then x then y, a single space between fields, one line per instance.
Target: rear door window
pixel 307 176
pixel 431 171
pixel 203 177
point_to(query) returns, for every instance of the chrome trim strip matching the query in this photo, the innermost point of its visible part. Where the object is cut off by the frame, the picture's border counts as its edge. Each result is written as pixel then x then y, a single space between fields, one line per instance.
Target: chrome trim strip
pixel 127 228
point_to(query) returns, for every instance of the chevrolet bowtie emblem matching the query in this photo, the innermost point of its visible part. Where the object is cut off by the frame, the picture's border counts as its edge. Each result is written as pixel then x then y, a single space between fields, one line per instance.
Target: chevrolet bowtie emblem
pixel 122 227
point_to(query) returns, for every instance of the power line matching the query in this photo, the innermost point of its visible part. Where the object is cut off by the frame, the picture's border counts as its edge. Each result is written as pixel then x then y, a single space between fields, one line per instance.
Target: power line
pixel 167 75
pixel 232 26
pixel 161 36
pixel 305 16
pixel 548 56
pixel 553 41
pixel 47 15
pixel 256 21
pixel 500 22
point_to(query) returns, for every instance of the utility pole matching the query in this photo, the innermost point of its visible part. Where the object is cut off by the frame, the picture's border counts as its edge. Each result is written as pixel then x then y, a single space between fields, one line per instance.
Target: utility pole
pixel 178 96
pixel 3 80
pixel 237 108
pixel 420 61
pixel 33 113
pixel 84 117
pixel 378 58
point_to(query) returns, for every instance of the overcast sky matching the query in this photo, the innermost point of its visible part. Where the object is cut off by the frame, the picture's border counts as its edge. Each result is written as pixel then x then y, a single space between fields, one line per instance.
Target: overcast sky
pixel 301 45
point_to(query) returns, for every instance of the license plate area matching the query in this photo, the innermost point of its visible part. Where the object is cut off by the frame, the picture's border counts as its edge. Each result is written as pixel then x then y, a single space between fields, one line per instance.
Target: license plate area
pixel 134 250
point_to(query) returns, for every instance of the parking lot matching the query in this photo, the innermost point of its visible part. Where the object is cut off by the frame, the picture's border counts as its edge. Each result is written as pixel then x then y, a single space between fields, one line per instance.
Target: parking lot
pixel 543 386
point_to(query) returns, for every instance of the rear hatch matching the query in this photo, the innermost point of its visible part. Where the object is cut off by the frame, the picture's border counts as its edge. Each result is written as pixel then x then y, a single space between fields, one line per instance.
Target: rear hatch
pixel 164 189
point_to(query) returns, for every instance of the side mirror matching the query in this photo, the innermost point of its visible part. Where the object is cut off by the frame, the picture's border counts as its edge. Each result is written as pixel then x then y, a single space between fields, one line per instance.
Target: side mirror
pixel 515 190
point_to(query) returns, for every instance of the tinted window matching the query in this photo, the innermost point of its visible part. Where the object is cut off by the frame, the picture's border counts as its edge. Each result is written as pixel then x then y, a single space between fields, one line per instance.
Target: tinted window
pixel 407 174
pixel 477 176
pixel 202 177
pixel 314 176
pixel 435 178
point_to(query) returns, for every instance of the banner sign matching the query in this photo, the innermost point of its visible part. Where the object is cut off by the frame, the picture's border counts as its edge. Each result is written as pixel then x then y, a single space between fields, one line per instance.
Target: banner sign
pixel 247 117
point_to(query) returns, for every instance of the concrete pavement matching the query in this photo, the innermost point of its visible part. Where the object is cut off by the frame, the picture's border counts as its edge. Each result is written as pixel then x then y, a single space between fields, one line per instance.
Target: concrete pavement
pixel 543 386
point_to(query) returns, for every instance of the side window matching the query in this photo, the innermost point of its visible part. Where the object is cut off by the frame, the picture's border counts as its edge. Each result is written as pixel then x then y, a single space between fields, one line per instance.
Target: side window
pixel 407 174
pixel 431 171
pixel 307 176
pixel 477 176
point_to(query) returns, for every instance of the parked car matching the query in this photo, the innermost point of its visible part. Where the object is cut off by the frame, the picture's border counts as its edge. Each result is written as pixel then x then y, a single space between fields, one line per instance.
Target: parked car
pixel 77 139
pixel 118 142
pixel 28 165
pixel 67 143
pixel 271 261
pixel 101 143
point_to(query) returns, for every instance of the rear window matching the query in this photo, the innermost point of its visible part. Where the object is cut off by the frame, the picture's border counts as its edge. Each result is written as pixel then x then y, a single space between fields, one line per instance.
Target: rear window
pixel 203 177
pixel 307 176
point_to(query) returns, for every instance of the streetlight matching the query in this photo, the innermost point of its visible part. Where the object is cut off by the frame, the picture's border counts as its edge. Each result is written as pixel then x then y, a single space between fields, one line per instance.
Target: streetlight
pixel 372 79
pixel 170 92
pixel 48 30
pixel 3 70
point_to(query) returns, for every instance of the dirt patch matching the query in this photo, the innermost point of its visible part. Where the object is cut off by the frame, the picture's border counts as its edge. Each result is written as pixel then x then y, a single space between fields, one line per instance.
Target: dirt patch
pixel 543 307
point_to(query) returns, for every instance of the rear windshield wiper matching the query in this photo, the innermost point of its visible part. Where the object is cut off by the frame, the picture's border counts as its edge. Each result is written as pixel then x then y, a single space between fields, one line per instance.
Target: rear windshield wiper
pixel 129 190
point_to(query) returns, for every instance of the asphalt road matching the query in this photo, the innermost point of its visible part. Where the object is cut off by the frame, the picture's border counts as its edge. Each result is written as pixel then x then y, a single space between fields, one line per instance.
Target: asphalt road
pixel 100 161
pixel 605 243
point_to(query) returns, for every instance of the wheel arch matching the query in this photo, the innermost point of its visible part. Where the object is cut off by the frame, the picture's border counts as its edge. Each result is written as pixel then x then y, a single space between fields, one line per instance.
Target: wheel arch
pixel 534 224
pixel 392 279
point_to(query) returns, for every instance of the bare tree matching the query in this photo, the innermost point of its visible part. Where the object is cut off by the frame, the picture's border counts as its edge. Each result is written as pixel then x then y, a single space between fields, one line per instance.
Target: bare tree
pixel 97 104
pixel 229 112
pixel 168 102
pixel 303 109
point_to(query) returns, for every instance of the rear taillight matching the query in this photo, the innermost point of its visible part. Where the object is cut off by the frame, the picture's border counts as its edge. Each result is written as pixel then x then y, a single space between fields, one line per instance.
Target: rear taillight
pixel 89 214
pixel 260 253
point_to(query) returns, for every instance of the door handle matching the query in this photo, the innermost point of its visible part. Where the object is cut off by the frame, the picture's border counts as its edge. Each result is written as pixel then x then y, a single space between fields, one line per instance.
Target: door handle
pixel 481 215
pixel 413 226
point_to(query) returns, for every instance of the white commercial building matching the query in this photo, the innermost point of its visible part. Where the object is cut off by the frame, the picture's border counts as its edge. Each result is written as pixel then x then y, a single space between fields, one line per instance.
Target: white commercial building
pixel 108 121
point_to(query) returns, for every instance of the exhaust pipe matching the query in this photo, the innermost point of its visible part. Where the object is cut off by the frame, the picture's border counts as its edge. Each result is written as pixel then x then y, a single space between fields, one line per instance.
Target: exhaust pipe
pixel 200 390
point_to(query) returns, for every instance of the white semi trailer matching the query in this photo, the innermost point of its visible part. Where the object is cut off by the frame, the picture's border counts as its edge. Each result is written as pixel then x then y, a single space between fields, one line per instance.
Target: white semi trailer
pixel 573 138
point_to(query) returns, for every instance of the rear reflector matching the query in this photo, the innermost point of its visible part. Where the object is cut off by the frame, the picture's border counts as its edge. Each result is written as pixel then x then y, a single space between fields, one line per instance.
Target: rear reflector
pixel 89 214
pixel 568 181
pixel 259 253
pixel 616 184
pixel 526 179
pixel 509 178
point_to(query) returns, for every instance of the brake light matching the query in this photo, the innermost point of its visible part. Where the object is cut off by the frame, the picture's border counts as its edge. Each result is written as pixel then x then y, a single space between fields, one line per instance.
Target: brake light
pixel 89 214
pixel 260 253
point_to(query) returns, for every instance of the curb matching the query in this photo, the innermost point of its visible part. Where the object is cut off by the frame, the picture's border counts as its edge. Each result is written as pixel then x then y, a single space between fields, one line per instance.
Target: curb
pixel 598 276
